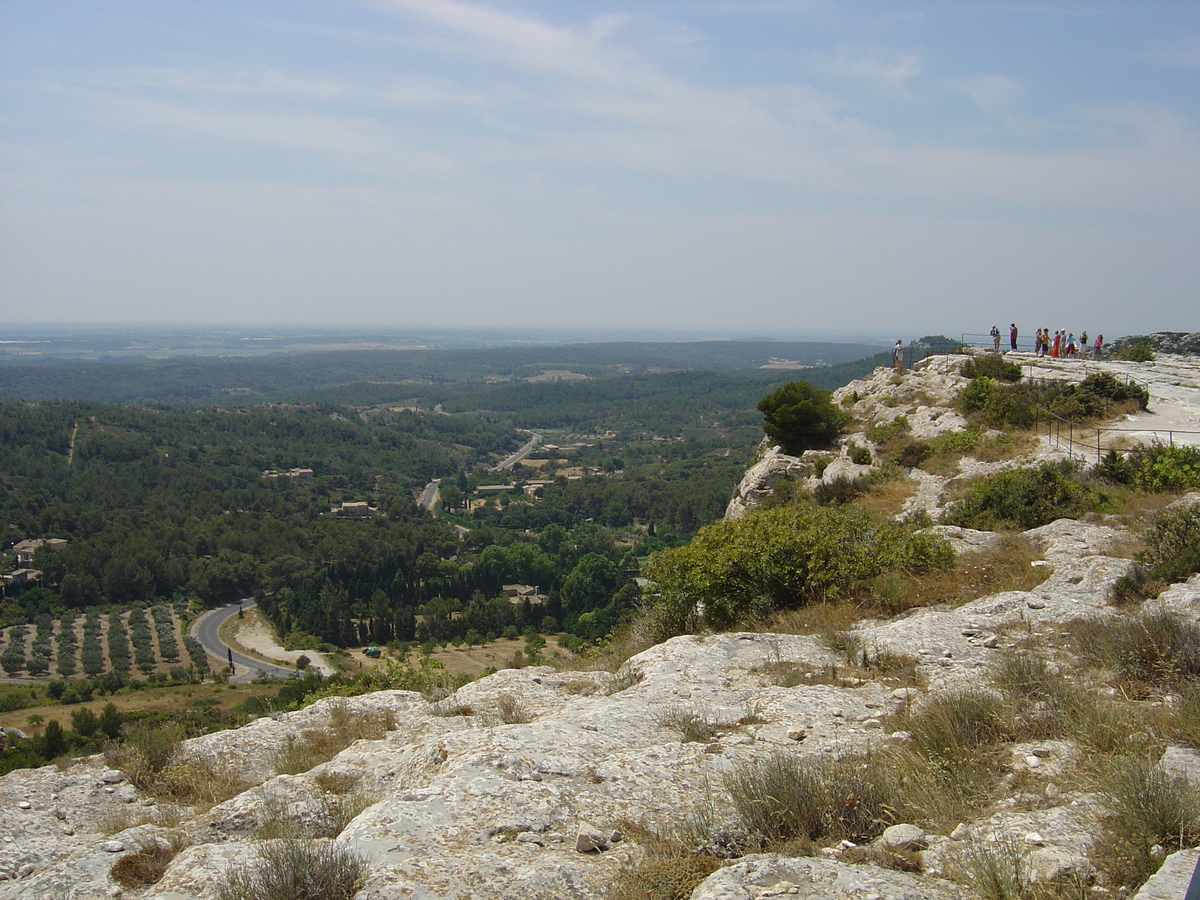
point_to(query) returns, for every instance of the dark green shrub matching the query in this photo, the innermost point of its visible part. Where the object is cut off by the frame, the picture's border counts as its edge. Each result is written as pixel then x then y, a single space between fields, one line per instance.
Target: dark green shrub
pixel 1105 385
pixel 1172 554
pixel 976 394
pixel 1026 498
pixel 912 454
pixel 1173 544
pixel 840 490
pixel 1094 397
pixel 991 366
pixel 800 417
pixel 860 456
pixel 999 405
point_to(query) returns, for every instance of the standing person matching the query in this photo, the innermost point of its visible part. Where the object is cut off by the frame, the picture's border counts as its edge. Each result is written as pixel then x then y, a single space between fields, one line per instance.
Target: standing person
pixel 898 355
pixel 1082 343
pixel 1037 342
pixel 1071 346
pixel 1056 346
pixel 1096 346
pixel 1012 335
pixel 995 333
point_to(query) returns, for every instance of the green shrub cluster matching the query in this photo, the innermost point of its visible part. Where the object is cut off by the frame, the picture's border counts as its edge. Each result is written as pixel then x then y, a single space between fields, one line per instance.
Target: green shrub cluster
pixel 164 625
pixel 118 644
pixel 66 646
pixel 12 660
pixel 999 405
pixel 1095 396
pixel 735 572
pixel 1138 351
pixel 860 456
pixel 91 654
pixel 1153 467
pixel 1171 554
pixel 195 652
pixel 1026 498
pixel 1020 405
pixel 991 366
pixel 139 634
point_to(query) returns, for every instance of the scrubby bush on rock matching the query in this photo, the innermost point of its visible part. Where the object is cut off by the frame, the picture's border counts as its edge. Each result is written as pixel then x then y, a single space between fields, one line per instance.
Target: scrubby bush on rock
pixel 736 572
pixel 1172 554
pixel 1028 497
pixel 991 366
pixel 1153 467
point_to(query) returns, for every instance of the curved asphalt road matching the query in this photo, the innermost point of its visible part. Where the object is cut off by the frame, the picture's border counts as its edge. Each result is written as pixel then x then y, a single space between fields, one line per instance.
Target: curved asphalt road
pixel 246 668
pixel 533 442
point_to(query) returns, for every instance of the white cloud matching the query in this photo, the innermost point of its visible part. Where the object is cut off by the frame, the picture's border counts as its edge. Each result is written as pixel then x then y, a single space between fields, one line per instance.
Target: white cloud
pixel 881 67
pixel 1184 53
pixel 994 95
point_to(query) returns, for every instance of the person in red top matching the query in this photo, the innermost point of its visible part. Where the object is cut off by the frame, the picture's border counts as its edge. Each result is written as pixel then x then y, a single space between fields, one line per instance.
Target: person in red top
pixel 1012 335
pixel 1054 348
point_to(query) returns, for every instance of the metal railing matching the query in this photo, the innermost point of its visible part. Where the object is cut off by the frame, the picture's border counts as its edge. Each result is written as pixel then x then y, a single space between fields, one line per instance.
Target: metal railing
pixel 1079 441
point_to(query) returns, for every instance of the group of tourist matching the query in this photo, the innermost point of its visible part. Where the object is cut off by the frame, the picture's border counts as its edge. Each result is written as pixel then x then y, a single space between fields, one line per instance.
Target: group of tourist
pixel 1061 345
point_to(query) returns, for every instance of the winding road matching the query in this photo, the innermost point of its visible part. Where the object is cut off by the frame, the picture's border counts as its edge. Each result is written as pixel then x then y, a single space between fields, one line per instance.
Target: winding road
pixel 246 668
pixel 534 441
pixel 430 494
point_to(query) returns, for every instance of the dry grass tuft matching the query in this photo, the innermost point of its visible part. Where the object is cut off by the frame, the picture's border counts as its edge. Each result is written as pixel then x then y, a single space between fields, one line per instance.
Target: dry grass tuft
pixel 1008 445
pixel 144 866
pixel 1006 567
pixel 668 868
pixel 152 760
pixel 1148 808
pixel 512 710
pixel 295 870
pixel 817 618
pixel 337 782
pixel 339 810
pixel 318 745
pixel 692 724
pixel 887 498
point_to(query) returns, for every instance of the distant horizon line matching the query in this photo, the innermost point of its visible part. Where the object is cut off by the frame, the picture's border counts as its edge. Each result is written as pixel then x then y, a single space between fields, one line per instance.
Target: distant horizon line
pixel 12 333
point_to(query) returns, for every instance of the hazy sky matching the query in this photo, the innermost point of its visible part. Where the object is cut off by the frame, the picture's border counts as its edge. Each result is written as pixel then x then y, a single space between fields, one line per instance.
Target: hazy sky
pixel 725 166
